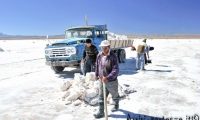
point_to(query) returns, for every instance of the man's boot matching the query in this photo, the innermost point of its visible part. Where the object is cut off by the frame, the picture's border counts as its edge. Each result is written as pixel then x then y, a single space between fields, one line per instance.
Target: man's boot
pixel 100 113
pixel 116 106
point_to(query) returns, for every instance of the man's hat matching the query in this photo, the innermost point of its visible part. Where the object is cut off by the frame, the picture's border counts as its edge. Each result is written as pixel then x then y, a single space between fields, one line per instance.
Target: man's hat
pixel 144 40
pixel 88 41
pixel 104 43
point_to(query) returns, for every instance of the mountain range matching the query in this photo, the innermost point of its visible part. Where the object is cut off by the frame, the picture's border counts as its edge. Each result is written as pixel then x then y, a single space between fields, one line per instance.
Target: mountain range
pixel 3 35
pixel 6 36
pixel 130 36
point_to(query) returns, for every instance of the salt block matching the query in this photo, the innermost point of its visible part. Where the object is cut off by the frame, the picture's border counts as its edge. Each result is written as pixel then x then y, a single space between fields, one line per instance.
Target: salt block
pixel 96 84
pixel 91 93
pixel 82 97
pixel 90 76
pixel 91 84
pixel 77 102
pixel 73 96
pixel 87 99
pixel 94 101
pixel 80 90
pixel 80 79
pixel 85 86
pixel 97 90
pixel 65 95
pixel 71 81
pixel 87 83
pixel 75 84
pixel 68 102
pixel 65 85
pixel 71 89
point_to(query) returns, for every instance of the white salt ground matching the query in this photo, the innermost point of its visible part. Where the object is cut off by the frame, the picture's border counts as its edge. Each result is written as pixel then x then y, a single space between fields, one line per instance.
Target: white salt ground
pixel 169 87
pixel 65 117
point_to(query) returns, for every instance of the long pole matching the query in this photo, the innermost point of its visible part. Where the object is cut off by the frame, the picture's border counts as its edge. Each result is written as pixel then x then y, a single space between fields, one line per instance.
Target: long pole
pixel 105 102
pixel 47 38
pixel 104 32
pixel 104 92
pixel 86 20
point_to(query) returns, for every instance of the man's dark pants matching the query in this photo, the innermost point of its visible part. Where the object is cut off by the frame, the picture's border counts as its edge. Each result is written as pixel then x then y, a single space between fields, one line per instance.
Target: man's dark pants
pixel 145 58
pixel 112 88
pixel 89 66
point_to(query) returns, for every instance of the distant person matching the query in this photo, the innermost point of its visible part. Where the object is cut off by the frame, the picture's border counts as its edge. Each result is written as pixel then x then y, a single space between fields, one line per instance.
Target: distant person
pixel 89 57
pixel 146 54
pixel 140 55
pixel 107 69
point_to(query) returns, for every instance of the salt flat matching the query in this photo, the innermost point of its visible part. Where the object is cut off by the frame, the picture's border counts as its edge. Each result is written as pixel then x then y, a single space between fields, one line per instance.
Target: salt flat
pixel 169 88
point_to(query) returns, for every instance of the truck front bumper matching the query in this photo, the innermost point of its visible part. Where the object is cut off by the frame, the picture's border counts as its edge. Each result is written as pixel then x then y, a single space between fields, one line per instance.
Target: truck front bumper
pixel 62 63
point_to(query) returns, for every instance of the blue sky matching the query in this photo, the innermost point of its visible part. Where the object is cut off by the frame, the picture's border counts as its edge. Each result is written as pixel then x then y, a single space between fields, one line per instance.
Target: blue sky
pixel 52 17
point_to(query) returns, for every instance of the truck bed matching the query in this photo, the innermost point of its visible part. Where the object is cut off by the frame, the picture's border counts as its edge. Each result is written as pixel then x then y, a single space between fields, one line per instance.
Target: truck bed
pixel 117 44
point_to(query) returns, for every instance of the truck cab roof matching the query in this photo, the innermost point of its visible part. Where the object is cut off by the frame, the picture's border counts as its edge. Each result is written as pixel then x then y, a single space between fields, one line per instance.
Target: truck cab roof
pixel 100 27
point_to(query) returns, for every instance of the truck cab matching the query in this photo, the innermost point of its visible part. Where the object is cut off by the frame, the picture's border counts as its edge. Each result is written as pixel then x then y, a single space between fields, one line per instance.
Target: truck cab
pixel 69 51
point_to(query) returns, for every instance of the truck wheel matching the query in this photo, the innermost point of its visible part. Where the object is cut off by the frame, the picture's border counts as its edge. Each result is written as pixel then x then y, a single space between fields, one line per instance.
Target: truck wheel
pixel 122 56
pixel 117 54
pixel 57 69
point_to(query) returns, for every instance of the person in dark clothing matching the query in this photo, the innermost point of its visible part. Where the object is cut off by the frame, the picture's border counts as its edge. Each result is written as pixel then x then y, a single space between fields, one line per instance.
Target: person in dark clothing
pixel 107 69
pixel 146 54
pixel 89 57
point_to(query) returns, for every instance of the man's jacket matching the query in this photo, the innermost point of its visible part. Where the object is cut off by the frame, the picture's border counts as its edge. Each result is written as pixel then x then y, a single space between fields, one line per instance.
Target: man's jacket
pixel 109 68
pixel 90 53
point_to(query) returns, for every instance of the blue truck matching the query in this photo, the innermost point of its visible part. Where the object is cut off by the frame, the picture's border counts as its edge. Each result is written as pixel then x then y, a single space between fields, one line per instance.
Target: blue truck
pixel 69 51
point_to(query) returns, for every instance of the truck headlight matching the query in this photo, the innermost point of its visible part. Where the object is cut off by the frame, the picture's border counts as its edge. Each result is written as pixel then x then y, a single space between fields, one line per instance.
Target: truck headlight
pixel 70 50
pixel 48 51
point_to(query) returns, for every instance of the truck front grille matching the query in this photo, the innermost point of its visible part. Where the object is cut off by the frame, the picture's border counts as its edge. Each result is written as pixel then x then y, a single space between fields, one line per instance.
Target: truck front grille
pixel 59 52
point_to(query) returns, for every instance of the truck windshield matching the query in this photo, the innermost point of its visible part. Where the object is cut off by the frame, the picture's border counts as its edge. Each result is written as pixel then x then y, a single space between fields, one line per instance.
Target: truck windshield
pixel 78 33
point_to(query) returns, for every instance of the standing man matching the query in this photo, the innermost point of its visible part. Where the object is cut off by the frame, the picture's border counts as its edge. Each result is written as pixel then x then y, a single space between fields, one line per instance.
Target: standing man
pixel 89 57
pixel 140 55
pixel 107 68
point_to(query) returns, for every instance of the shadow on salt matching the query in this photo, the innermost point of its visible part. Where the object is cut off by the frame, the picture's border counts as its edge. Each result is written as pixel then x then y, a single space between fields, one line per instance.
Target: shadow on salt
pixel 160 70
pixel 162 65
pixel 68 74
pixel 133 116
pixel 1 50
pixel 128 68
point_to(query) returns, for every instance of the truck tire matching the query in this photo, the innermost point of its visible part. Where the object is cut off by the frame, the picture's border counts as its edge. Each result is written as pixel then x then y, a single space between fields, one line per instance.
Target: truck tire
pixel 57 69
pixel 122 56
pixel 117 54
